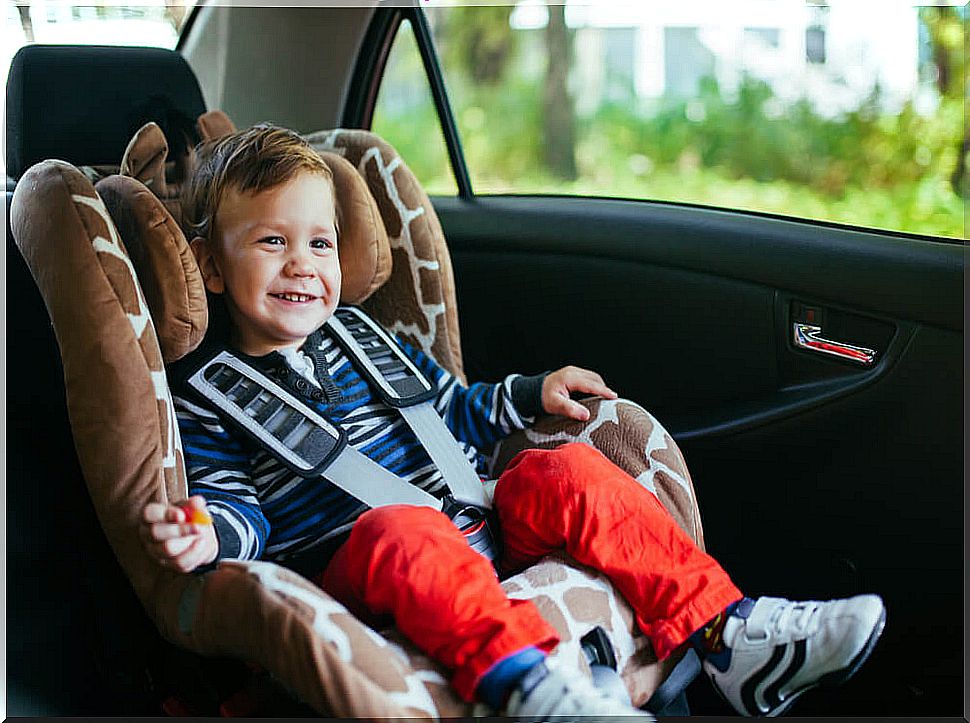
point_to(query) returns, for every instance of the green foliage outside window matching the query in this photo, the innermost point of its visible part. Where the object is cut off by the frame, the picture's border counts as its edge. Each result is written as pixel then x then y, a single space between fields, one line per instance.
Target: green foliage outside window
pixel 406 116
pixel 867 167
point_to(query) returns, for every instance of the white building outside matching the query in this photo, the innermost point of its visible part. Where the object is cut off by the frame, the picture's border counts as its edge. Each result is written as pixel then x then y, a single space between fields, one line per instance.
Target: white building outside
pixel 833 55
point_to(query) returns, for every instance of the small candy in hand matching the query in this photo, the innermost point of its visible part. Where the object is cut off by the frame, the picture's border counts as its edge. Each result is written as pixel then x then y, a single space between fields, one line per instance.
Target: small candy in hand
pixel 195 515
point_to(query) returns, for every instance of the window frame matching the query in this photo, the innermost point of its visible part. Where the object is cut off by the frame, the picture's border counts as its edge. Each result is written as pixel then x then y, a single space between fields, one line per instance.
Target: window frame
pixel 369 73
pixel 187 27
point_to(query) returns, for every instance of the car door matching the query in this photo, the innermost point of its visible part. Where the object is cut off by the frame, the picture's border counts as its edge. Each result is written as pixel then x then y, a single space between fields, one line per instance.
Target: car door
pixel 811 368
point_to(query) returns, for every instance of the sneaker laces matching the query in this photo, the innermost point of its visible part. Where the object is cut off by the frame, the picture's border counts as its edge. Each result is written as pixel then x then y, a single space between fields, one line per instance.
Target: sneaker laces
pixel 785 619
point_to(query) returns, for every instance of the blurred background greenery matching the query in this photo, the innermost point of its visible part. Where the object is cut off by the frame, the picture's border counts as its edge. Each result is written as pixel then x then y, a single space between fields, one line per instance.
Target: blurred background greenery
pixel 521 132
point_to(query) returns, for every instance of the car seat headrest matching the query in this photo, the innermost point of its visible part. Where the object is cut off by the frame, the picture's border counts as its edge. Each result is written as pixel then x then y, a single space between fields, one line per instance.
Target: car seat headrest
pixel 82 104
pixel 362 242
pixel 164 263
pixel 148 160
pixel 146 207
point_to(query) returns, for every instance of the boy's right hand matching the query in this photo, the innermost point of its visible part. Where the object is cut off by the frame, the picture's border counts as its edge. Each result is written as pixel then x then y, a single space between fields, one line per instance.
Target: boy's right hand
pixel 173 540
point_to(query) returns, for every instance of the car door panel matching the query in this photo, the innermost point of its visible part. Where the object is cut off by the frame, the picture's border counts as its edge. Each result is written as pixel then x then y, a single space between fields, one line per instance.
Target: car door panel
pixel 818 477
pixel 892 276
pixel 584 306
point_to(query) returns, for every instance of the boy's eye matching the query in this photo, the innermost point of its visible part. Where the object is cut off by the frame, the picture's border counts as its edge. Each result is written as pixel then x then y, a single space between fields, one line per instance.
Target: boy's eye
pixel 272 240
pixel 321 243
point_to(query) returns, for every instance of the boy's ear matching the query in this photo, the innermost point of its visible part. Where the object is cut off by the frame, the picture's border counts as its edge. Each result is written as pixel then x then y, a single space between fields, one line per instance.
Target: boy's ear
pixel 208 267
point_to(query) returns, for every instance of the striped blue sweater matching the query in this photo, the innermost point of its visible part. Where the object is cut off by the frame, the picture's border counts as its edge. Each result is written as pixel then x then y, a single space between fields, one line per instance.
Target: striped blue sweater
pixel 262 510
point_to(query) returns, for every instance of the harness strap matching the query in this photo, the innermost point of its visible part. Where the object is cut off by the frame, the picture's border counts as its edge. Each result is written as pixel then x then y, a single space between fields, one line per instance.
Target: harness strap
pixel 309 444
pixel 424 421
pixel 393 375
pixel 359 475
pixel 447 455
pixel 302 439
pixel 299 437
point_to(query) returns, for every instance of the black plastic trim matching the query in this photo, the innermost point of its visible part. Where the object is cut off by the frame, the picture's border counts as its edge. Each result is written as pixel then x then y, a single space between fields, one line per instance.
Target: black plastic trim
pixel 422 34
pixel 746 211
pixel 187 26
pixel 369 67
pixel 792 398
pixel 782 404
pixel 888 276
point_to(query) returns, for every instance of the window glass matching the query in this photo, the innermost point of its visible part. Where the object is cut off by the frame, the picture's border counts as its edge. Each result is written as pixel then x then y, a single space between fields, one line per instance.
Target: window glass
pixel 153 23
pixel 405 116
pixel 834 111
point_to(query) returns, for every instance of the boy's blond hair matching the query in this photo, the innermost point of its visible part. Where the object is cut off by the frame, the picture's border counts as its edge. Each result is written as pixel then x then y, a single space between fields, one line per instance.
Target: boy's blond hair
pixel 247 161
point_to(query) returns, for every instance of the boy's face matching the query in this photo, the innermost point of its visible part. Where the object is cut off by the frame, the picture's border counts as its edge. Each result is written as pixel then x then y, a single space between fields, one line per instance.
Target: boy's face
pixel 274 255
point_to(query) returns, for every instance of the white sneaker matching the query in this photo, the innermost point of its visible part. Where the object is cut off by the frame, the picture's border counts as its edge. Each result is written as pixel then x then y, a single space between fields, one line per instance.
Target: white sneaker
pixel 556 692
pixel 780 649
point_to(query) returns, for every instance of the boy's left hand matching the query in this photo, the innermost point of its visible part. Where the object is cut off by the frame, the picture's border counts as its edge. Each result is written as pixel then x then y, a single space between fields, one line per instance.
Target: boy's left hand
pixel 557 387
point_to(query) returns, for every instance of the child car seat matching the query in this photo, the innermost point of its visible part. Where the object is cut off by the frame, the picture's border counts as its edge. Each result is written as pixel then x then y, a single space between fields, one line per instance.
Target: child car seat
pixel 117 328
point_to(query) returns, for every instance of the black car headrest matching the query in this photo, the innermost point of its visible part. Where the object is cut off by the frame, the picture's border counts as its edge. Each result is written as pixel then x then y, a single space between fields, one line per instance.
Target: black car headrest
pixel 83 103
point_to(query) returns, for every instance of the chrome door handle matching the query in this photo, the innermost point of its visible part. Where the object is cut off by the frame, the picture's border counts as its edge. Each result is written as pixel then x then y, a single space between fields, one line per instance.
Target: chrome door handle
pixel 809 336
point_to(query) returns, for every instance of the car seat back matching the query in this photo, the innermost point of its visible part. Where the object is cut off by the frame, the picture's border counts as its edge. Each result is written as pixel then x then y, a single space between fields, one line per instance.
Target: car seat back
pixel 82 104
pixel 418 301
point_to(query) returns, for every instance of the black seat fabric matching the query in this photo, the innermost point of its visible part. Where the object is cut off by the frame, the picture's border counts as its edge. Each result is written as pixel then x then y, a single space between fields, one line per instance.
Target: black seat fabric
pixel 78 641
pixel 82 104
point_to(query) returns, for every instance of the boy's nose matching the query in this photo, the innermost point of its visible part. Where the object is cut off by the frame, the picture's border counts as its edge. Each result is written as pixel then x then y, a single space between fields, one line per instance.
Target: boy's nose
pixel 299 265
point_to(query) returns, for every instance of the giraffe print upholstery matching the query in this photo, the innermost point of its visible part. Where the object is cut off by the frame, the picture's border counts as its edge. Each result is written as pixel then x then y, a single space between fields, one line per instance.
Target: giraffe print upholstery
pixel 259 611
pixel 633 439
pixel 418 300
pixel 118 400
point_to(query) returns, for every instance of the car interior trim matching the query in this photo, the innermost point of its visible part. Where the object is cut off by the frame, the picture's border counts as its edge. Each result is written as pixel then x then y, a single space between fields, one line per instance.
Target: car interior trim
pixel 369 69
pixel 809 336
pixel 918 282
pixel 449 128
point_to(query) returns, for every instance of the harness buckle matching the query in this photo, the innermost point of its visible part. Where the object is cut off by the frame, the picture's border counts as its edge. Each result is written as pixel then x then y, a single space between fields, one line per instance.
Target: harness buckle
pixel 478 525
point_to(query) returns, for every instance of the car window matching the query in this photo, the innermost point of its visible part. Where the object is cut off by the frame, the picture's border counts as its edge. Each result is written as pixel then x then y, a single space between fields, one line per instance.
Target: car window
pixel 153 23
pixel 405 115
pixel 824 111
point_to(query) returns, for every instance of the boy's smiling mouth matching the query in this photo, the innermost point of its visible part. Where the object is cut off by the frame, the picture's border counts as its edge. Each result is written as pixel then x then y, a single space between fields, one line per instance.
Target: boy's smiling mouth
pixel 298 298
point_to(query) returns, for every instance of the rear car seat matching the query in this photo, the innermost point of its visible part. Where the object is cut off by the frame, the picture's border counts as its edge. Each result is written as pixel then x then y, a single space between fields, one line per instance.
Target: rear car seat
pixel 173 108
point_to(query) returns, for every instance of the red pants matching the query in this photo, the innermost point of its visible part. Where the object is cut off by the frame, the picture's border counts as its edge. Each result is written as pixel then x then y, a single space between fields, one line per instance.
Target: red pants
pixel 412 564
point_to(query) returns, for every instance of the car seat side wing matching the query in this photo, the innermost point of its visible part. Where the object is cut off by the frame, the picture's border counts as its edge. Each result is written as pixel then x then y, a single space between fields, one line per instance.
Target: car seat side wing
pixel 121 413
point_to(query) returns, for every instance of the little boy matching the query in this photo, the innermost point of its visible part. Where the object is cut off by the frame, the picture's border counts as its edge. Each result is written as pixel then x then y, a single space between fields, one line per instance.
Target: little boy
pixel 262 207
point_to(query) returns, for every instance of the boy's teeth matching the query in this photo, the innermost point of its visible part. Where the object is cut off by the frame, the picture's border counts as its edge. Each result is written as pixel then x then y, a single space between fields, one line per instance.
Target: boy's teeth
pixel 294 297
